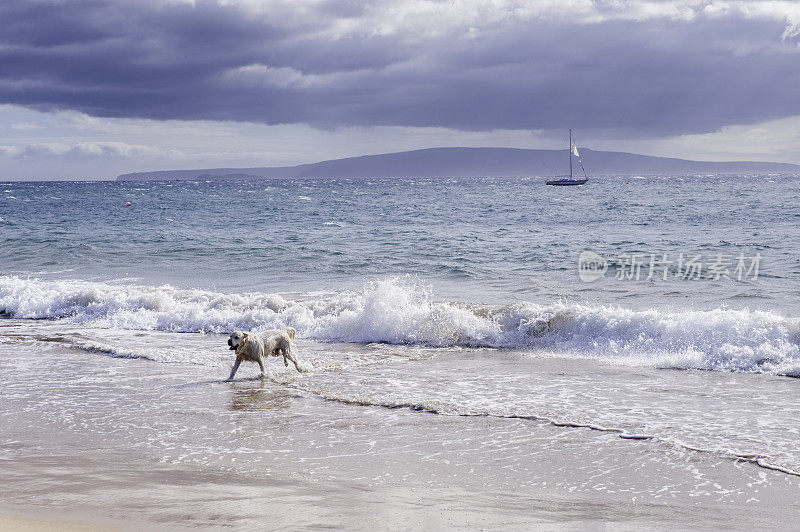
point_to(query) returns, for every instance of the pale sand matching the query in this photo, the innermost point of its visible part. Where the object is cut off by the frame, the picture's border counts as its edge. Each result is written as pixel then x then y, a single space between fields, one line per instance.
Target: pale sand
pixel 134 445
pixel 135 496
pixel 14 523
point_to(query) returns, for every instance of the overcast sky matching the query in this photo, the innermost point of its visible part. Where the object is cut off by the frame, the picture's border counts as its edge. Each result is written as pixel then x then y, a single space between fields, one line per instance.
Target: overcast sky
pixel 94 88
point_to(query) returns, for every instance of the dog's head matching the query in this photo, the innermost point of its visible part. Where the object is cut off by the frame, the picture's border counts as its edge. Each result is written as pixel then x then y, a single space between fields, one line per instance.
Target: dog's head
pixel 236 339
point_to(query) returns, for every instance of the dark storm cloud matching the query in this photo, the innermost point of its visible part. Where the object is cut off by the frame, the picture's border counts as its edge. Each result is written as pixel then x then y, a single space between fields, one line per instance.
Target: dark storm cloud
pixel 286 65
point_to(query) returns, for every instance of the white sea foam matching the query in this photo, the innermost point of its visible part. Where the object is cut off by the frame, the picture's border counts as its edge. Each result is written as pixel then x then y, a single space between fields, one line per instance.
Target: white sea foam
pixel 399 312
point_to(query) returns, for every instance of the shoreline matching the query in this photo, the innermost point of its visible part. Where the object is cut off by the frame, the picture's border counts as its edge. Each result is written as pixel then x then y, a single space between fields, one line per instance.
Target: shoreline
pixel 123 441
pixel 755 460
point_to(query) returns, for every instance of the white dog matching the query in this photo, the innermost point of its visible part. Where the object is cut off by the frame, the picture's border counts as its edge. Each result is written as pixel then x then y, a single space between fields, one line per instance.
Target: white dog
pixel 257 346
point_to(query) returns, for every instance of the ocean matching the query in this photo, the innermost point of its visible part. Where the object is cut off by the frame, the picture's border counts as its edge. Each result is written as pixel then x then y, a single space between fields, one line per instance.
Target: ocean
pixel 660 311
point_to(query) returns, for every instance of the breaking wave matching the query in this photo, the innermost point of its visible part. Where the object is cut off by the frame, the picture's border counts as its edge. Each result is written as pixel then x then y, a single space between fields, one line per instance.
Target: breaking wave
pixel 397 311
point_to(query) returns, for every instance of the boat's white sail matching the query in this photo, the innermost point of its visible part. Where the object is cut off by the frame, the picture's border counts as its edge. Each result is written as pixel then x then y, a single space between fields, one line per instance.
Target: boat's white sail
pixel 573 150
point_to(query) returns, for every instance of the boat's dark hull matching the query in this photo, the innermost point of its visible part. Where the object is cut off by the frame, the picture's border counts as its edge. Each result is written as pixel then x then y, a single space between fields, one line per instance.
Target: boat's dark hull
pixel 566 182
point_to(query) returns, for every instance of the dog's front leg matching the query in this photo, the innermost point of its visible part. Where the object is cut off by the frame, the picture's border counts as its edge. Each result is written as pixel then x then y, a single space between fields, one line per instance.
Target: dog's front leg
pixel 261 365
pixel 235 367
pixel 290 356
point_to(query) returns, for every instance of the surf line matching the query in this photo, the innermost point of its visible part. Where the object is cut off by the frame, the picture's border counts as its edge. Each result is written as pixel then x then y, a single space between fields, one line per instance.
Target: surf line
pixel 755 459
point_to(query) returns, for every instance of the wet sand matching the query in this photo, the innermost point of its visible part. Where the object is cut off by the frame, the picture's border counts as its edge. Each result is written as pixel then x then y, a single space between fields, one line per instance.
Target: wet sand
pixel 133 443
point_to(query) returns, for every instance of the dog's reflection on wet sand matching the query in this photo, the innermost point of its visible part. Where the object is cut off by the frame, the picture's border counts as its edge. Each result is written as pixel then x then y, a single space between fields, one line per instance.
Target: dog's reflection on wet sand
pixel 261 396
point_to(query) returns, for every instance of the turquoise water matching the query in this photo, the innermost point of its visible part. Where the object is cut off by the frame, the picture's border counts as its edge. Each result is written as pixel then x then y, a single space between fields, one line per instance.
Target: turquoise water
pixel 483 240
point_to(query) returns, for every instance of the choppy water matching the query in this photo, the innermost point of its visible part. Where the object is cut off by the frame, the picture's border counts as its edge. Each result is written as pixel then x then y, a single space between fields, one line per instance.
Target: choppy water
pixel 475 275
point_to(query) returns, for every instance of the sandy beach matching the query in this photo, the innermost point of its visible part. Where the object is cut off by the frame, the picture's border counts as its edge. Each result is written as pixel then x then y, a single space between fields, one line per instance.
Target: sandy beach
pixel 129 443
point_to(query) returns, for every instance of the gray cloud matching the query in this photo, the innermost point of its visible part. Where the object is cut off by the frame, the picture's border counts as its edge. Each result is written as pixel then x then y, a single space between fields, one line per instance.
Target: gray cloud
pixel 78 151
pixel 342 63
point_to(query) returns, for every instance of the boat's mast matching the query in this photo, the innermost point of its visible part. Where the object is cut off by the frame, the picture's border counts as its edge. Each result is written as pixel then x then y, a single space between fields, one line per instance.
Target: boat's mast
pixel 570 154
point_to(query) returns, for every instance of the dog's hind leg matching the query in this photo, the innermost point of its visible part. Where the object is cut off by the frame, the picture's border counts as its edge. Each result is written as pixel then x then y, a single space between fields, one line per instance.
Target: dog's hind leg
pixel 235 367
pixel 261 365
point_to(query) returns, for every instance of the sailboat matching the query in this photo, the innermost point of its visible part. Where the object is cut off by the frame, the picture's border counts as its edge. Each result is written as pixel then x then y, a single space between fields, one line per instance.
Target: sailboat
pixel 565 181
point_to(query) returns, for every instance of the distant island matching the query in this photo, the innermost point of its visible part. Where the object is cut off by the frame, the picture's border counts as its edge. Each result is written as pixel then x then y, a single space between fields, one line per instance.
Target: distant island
pixel 471 162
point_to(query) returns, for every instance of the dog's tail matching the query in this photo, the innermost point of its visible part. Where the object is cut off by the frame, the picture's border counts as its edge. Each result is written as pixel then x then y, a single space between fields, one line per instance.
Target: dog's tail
pixel 291 332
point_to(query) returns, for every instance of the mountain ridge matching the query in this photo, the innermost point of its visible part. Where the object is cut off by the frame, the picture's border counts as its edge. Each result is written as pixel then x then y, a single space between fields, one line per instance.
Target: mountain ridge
pixel 470 162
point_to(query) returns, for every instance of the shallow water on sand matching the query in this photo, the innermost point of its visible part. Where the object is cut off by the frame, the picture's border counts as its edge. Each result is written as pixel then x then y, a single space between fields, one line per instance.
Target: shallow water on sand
pixel 736 416
pixel 164 444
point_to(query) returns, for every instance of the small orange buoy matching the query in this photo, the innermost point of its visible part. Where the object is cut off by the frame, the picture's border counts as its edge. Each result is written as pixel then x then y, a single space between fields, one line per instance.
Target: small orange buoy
pixel 127 203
